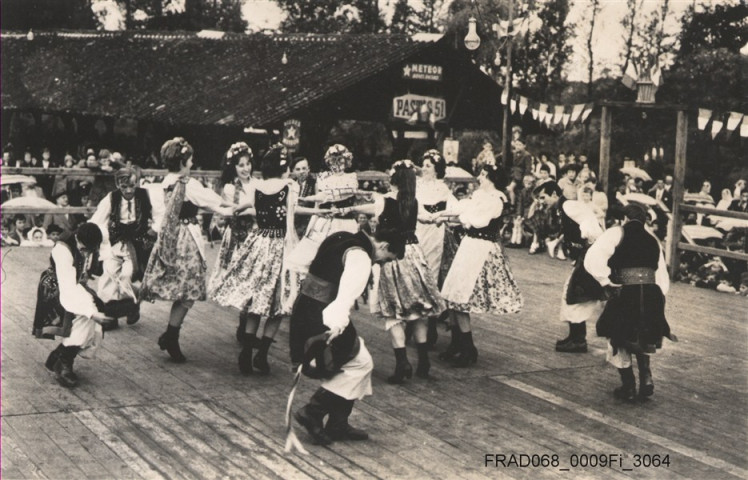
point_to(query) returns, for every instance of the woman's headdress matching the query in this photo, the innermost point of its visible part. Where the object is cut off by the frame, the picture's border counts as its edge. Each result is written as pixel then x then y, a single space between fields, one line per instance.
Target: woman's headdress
pixel 338 158
pixel 238 150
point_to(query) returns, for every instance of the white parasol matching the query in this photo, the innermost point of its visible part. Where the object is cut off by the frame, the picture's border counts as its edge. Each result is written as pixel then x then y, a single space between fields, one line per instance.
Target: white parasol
pixel 11 179
pixel 700 232
pixel 29 201
pixel 636 172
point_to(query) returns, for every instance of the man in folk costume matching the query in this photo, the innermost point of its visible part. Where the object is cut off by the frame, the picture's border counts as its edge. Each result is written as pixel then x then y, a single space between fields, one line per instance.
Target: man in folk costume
pixel 583 297
pixel 124 217
pixel 66 306
pixel 322 337
pixel 629 264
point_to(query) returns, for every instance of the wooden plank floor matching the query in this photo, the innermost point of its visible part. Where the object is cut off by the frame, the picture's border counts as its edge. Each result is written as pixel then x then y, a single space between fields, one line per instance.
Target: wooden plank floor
pixel 137 415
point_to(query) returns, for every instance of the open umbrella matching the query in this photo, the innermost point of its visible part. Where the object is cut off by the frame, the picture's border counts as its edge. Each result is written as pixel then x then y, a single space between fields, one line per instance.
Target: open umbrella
pixel 698 198
pixel 642 198
pixel 29 202
pixel 11 179
pixel 636 172
pixel 700 232
pixel 457 173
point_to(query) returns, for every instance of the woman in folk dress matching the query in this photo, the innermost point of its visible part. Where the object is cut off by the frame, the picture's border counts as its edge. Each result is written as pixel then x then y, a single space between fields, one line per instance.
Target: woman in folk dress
pixel 176 269
pixel 479 280
pixel 238 189
pixel 335 189
pixel 435 196
pixel 407 291
pixel 255 281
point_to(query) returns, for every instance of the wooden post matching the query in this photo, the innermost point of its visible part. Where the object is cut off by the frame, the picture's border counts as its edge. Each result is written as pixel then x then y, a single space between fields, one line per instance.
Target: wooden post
pixel 679 175
pixel 605 124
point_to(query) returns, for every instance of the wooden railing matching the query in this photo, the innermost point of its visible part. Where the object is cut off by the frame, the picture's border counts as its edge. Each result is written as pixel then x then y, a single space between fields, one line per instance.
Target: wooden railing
pixel 677 231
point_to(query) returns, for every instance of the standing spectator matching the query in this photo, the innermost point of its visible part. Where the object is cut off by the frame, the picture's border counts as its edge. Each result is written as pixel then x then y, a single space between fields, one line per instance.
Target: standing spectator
pixel 307 187
pixel 561 160
pixel 725 201
pixel 739 188
pixel 669 183
pixel 46 182
pixel 18 233
pixel 68 222
pixel 660 193
pixel 485 157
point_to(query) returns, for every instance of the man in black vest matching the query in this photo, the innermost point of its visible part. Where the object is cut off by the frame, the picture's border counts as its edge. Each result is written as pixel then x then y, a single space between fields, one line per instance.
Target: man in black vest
pixel 124 217
pixel 628 263
pixel 322 337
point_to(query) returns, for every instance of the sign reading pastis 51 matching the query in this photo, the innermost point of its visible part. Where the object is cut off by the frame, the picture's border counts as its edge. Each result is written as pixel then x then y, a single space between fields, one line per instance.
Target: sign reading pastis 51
pixel 422 71
pixel 404 106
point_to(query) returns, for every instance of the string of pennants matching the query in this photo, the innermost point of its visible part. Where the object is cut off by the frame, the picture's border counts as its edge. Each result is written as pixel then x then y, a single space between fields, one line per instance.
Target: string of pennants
pixel 546 113
pixel 729 121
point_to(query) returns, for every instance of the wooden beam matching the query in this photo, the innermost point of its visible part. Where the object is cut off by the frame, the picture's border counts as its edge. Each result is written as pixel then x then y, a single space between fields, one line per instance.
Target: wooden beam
pixel 679 176
pixel 714 251
pixel 85 172
pixel 605 127
pixel 648 106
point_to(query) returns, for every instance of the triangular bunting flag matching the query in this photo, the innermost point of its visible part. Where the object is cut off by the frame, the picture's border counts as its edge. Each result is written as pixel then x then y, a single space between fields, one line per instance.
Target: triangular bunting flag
pixel 733 120
pixel 513 105
pixel 543 111
pixel 630 77
pixel 704 116
pixel 565 117
pixel 535 113
pixel 504 96
pixel 558 113
pixel 716 128
pixel 576 111
pixel 587 110
pixel 522 105
pixel 744 129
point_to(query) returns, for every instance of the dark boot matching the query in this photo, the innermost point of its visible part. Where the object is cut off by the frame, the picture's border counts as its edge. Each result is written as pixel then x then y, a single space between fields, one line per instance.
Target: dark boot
pixel 241 329
pixel 454 345
pixel 134 315
pixel 52 358
pixel 260 361
pixel 337 427
pixel 312 414
pixel 646 385
pixel 245 356
pixel 432 335
pixel 424 364
pixel 110 325
pixel 627 390
pixel 578 342
pixel 409 332
pixel 64 367
pixel 169 341
pixel 403 368
pixel 568 337
pixel 468 353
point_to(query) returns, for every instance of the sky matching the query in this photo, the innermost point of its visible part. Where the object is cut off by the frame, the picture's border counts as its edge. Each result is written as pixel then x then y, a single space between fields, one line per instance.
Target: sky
pixel 608 37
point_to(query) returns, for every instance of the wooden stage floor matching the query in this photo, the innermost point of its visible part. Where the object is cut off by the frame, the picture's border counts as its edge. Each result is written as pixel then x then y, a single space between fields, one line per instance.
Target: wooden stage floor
pixel 137 415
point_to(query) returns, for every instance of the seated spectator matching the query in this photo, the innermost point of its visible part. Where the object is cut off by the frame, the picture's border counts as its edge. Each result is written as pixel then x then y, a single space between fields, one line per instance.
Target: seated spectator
pixel 739 188
pixel 54 232
pixel 740 204
pixel 544 174
pixel 660 193
pixel 5 238
pixel 36 237
pixel 67 222
pixel 725 201
pixel 19 229
pixel 706 191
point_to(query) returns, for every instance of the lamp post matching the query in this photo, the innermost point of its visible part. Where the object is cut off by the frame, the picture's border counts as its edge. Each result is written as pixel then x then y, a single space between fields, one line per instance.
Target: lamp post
pixel 472 42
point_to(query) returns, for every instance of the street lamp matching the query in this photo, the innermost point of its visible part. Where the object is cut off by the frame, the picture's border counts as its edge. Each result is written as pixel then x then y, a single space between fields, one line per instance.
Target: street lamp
pixel 472 44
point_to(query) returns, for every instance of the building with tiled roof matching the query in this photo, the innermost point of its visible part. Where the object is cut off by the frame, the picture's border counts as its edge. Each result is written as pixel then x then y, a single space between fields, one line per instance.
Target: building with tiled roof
pixel 225 85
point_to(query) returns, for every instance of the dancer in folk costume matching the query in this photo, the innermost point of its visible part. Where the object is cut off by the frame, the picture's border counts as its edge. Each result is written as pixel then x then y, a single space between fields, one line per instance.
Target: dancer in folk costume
pixel 335 189
pixel 407 290
pixel 583 298
pixel 176 270
pixel 66 306
pixel 629 264
pixel 255 281
pixel 433 193
pixel 480 280
pixel 124 217
pixel 322 336
pixel 238 189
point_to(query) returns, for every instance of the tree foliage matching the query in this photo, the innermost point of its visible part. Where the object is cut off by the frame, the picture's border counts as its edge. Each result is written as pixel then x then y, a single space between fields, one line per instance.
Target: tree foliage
pixel 47 14
pixel 409 19
pixel 331 16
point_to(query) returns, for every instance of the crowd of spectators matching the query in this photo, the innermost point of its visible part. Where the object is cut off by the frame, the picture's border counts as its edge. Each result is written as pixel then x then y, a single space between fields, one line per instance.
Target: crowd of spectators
pixel 530 220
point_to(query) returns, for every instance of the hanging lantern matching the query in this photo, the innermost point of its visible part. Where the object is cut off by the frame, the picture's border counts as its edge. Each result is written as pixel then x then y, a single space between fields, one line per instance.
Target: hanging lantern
pixel 497 58
pixel 472 40
pixel 284 60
